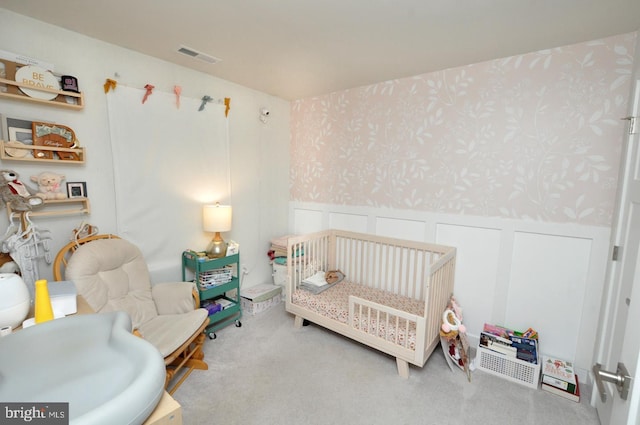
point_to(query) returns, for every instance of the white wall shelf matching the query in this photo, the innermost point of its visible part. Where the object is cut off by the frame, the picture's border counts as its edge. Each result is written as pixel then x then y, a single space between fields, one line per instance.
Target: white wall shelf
pixel 61 100
pixel 69 206
pixel 4 147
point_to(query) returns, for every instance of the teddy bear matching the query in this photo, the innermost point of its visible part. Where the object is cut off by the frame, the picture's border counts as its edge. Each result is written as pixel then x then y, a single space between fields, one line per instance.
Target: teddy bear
pixel 13 191
pixel 50 185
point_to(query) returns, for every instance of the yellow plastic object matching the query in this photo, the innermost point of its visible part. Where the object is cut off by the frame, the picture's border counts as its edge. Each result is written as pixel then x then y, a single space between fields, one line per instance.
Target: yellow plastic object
pixel 43 309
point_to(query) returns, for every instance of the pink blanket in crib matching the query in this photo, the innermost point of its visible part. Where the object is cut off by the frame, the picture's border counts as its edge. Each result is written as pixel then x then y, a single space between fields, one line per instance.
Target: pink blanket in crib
pixel 334 304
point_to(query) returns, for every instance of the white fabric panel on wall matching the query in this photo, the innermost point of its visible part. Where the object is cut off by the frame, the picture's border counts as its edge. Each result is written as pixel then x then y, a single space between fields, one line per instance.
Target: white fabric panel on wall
pixel 168 162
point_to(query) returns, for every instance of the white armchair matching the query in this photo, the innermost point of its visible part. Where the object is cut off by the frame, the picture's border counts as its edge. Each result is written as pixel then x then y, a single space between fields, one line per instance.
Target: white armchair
pixel 111 275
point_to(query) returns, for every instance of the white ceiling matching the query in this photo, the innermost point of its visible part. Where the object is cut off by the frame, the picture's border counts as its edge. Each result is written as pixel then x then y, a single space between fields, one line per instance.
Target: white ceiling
pixel 299 48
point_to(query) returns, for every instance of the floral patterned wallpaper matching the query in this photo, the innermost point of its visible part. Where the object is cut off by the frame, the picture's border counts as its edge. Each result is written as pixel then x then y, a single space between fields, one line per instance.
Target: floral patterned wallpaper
pixel 536 136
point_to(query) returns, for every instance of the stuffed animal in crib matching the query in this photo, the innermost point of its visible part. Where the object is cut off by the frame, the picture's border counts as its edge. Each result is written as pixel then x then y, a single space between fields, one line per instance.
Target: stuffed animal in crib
pixel 452 320
pixel 50 185
pixel 333 276
pixel 13 191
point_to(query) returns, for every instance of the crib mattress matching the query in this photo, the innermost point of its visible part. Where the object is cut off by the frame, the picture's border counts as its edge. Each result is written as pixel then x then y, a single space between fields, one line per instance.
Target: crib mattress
pixel 334 304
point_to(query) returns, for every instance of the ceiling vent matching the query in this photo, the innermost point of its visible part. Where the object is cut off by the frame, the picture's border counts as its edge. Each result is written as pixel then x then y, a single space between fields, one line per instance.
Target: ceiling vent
pixel 198 55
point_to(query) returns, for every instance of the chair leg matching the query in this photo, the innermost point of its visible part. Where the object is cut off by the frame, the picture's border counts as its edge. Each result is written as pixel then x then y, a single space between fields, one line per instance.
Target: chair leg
pixel 197 353
pixel 197 364
pixel 168 377
pixel 190 358
pixel 177 384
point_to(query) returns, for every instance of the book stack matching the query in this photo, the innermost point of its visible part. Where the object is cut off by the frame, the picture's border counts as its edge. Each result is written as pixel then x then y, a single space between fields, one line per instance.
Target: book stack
pixel 225 303
pixel 211 306
pixel 520 345
pixel 559 378
pixel 498 344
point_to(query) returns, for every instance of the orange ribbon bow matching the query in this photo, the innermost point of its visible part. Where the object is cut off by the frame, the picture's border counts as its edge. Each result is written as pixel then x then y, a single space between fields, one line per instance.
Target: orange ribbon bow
pixel 110 84
pixel 227 106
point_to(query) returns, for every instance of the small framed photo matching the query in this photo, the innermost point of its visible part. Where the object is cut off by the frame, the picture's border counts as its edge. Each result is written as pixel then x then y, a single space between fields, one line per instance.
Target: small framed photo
pixel 18 129
pixel 77 189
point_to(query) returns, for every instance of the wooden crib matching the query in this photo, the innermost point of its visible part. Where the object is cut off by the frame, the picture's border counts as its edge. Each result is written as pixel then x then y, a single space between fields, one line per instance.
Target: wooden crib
pixel 391 299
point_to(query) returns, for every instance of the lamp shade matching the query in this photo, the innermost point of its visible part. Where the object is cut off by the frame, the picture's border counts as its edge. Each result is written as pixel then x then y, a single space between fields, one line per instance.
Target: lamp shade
pixel 216 218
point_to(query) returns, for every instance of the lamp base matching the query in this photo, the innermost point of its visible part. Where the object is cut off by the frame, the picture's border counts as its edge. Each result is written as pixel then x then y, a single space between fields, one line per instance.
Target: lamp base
pixel 217 248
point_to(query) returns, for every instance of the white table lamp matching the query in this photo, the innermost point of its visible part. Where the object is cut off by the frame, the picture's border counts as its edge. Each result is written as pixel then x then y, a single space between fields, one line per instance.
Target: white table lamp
pixel 216 218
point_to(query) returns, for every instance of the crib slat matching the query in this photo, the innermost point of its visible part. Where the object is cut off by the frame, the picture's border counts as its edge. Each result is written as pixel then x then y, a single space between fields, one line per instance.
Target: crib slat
pixel 406 333
pixel 386 324
pixel 402 288
pixel 366 262
pixel 354 258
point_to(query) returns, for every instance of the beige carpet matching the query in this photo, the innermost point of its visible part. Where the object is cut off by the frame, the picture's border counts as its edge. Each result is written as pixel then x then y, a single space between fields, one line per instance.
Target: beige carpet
pixel 268 372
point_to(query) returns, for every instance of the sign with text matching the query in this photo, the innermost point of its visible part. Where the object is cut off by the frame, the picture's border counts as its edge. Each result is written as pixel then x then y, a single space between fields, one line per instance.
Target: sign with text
pixel 34 413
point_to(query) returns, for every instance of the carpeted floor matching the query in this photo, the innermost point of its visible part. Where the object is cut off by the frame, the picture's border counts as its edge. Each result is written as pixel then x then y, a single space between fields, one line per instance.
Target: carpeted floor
pixel 268 372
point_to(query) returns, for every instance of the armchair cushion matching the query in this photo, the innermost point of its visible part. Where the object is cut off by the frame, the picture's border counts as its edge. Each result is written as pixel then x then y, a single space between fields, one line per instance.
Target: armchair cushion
pixel 112 275
pixel 173 297
pixel 168 332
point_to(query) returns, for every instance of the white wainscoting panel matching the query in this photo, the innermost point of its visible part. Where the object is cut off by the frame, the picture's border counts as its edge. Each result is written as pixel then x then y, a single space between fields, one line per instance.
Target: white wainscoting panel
pixel 413 230
pixel 477 257
pixel 350 222
pixel 547 288
pixel 307 221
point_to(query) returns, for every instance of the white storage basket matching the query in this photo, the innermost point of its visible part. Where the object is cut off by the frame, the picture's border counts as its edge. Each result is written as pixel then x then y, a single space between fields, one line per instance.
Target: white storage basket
pixel 509 368
pixel 215 277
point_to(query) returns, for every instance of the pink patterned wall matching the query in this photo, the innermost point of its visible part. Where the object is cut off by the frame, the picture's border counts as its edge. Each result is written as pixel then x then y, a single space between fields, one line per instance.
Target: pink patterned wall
pixel 536 136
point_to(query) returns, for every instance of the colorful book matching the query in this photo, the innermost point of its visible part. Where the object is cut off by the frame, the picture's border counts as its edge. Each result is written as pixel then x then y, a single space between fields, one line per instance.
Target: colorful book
pixel 573 396
pixel 225 303
pixel 497 330
pixel 559 373
pixel 497 344
pixel 526 348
